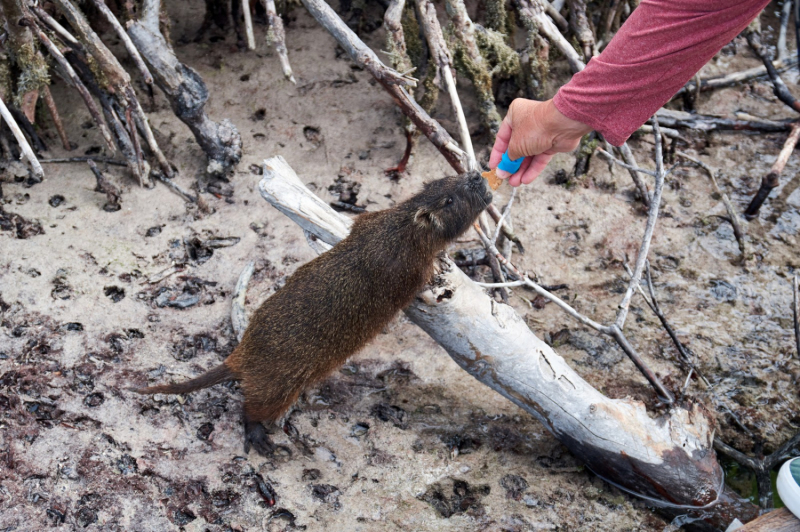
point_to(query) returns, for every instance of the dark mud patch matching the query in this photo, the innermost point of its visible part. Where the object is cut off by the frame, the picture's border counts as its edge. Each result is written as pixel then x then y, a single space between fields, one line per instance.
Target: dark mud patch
pixel 20 227
pixel 452 497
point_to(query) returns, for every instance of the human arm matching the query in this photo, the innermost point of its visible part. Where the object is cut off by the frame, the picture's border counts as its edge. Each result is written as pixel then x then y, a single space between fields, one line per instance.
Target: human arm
pixel 658 49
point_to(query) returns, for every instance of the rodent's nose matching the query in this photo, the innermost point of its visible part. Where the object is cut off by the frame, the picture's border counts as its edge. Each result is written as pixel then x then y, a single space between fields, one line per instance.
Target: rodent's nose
pixel 477 182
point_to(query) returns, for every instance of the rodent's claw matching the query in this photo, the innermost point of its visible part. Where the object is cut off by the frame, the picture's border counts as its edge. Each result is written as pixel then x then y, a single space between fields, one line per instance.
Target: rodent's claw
pixel 256 435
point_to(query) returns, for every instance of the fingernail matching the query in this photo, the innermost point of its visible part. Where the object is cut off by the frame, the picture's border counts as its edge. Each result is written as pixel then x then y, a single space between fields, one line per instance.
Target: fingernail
pixel 502 174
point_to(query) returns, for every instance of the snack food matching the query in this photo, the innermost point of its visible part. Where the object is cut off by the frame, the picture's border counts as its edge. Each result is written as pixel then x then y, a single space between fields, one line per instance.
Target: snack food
pixel 492 179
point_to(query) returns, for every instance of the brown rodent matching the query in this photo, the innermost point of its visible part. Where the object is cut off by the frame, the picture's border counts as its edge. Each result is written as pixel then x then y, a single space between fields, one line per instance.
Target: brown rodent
pixel 339 301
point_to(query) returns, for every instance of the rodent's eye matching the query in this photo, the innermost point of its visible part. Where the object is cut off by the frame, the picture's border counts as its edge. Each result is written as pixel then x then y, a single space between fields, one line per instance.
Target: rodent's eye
pixel 449 201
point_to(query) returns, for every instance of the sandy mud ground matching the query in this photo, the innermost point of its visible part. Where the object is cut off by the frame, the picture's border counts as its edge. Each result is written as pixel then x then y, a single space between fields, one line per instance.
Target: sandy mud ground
pixel 400 438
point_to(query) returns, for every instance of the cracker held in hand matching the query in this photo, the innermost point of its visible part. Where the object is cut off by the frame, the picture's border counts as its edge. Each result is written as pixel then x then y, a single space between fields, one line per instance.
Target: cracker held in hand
pixel 492 179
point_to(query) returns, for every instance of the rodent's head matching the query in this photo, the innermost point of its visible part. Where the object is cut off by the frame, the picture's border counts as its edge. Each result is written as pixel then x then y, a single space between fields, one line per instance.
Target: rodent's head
pixel 447 207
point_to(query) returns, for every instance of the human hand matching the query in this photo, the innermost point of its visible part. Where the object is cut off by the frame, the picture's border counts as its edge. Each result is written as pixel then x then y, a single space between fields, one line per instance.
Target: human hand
pixel 537 131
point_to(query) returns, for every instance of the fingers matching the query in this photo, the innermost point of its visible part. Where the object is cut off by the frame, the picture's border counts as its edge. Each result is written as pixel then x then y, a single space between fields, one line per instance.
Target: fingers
pixel 516 179
pixel 536 167
pixel 500 143
pixel 531 168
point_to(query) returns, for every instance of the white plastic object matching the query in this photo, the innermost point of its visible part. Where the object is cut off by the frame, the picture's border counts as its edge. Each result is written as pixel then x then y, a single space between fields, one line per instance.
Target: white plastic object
pixel 789 485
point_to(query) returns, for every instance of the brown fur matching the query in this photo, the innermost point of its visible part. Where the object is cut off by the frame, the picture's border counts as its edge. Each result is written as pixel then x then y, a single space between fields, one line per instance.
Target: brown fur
pixel 332 306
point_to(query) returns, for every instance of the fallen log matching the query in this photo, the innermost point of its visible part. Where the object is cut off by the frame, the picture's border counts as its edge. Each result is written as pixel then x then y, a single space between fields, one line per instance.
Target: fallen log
pixel 668 460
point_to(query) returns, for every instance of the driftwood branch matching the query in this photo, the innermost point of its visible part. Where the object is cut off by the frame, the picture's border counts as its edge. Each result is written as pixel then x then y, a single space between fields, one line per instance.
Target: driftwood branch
pixel 186 92
pixel 668 460
pixel 27 152
pixel 652 216
pixel 733 216
pixel 277 36
pixel 391 80
pixel 129 46
pixel 579 23
pixel 680 119
pixel 248 24
pixel 440 55
pixel 736 77
pixel 779 88
pixel 628 157
pixel 534 15
pixel 239 318
pixel 652 302
pixel 398 52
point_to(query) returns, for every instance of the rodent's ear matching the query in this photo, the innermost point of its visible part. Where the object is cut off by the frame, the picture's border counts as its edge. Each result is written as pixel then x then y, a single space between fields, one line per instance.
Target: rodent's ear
pixel 426 216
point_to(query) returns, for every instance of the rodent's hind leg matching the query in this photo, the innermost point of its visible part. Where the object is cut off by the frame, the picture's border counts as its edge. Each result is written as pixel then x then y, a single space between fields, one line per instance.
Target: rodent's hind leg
pixel 257 437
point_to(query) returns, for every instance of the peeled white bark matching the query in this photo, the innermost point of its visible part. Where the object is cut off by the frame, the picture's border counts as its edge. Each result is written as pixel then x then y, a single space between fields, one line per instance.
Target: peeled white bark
pixel 668 458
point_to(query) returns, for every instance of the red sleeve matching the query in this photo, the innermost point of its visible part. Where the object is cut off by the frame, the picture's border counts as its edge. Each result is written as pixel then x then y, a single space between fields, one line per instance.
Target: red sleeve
pixel 658 49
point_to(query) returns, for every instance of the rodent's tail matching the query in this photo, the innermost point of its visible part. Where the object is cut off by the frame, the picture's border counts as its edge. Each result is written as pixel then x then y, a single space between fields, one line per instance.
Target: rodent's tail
pixel 211 377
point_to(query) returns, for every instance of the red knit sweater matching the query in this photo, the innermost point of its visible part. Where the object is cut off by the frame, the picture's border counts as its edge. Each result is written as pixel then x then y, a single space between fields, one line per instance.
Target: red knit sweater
pixel 658 49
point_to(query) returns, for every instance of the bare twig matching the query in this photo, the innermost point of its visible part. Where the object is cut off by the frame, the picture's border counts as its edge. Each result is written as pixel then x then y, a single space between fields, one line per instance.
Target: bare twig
pixel 173 186
pixel 441 56
pixel 238 315
pixel 248 25
pixel 771 180
pixel 652 302
pixel 398 52
pixel 783 452
pixel 609 330
pixel 54 25
pixel 277 36
pixel 143 124
pixel 680 119
pixel 796 314
pixel 492 256
pixel 104 185
pixel 27 152
pixel 51 106
pixel 779 88
pixel 632 168
pixel 652 216
pixel 129 46
pixel 506 212
pixel 508 232
pixel 557 17
pixel 83 159
pixel 786 12
pixel 185 91
pixel 71 77
pixel 390 80
pixel 142 172
pixel 627 156
pixel 493 251
pixel 737 77
pixel 738 232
